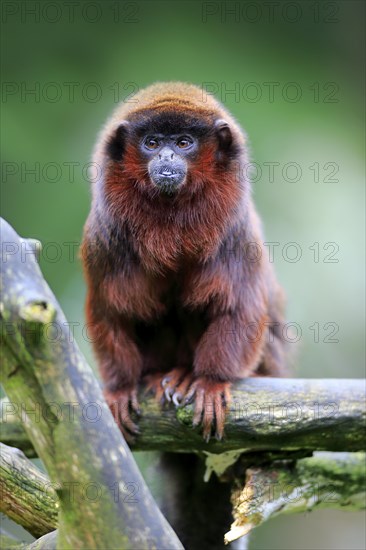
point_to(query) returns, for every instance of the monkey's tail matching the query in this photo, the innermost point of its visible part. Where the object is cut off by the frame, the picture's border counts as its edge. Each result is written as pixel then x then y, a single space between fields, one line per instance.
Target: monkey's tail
pixel 198 511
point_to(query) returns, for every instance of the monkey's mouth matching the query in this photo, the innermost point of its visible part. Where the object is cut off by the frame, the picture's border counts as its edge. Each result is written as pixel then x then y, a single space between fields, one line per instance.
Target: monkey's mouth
pixel 167 180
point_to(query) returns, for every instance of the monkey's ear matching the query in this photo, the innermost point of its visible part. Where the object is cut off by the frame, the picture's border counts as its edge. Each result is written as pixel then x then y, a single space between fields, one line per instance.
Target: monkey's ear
pixel 117 141
pixel 224 135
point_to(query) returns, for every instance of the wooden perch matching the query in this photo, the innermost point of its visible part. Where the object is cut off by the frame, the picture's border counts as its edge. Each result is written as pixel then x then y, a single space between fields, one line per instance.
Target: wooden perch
pixel 104 501
pixel 326 480
pixel 27 496
pixel 55 410
pixel 12 432
pixel 265 414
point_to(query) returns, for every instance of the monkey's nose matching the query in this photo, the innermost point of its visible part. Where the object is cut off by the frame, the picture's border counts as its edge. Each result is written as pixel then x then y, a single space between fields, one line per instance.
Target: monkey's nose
pixel 166 154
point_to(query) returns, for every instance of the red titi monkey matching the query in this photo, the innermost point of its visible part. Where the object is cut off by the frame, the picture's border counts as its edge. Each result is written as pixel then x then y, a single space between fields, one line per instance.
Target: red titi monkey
pixel 180 290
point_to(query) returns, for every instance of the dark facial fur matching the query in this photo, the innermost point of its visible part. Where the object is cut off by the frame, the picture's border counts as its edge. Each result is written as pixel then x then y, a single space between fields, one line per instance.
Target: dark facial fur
pixel 167 151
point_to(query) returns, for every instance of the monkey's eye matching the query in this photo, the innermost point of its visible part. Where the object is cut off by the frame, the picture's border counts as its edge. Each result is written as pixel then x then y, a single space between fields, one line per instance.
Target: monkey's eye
pixel 184 142
pixel 151 143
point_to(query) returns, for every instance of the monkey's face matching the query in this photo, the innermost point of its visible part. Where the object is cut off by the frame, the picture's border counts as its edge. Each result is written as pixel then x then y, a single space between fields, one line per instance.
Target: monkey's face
pixel 167 158
pixel 169 152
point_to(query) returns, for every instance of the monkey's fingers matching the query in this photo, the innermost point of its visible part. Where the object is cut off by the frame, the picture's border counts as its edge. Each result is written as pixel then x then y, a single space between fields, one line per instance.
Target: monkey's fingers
pixel 208 417
pixel 214 415
pixel 190 394
pixel 227 396
pixel 127 426
pixel 221 404
pixel 153 385
pixel 198 406
pixel 220 413
pixel 120 403
pixel 125 419
pixel 181 390
pixel 135 406
pixel 126 423
pixel 211 403
pixel 171 381
pixel 127 435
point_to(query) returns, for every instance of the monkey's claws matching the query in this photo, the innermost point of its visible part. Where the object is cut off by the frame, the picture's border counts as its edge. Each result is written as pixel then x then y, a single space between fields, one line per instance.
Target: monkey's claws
pixel 177 399
pixel 175 385
pixel 168 393
pixel 211 398
pixel 170 387
pixel 211 403
pixel 122 403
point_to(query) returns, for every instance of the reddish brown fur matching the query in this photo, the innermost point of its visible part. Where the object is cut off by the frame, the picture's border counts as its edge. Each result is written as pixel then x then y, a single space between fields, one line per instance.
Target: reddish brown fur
pixel 169 281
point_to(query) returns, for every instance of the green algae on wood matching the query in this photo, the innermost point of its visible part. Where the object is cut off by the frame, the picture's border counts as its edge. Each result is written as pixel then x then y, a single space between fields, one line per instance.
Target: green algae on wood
pixel 326 480
pixel 27 495
pixel 41 376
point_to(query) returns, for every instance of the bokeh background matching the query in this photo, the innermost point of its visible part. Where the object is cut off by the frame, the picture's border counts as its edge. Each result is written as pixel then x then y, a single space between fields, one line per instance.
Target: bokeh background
pixel 292 73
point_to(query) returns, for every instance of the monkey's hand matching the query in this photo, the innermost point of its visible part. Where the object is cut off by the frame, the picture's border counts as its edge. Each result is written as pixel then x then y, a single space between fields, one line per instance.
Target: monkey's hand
pixel 170 386
pixel 211 402
pixel 211 397
pixel 122 403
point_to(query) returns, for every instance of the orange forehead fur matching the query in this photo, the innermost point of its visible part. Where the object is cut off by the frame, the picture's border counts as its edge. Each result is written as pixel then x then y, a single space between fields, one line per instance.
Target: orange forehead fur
pixel 167 96
pixel 182 97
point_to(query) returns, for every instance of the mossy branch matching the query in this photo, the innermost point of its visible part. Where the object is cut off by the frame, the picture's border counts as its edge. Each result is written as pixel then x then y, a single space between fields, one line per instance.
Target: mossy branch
pixel 104 501
pixel 27 496
pixel 55 410
pixel 326 480
pixel 265 414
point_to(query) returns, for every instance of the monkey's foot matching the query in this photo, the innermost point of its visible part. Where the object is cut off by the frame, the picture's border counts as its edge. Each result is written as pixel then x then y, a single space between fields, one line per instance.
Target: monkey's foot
pixel 122 403
pixel 176 384
pixel 211 402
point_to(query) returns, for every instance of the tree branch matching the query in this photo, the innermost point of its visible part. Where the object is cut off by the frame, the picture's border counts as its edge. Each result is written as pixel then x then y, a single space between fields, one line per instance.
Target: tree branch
pixel 27 496
pixel 265 414
pixel 326 480
pixel 67 423
pixel 104 501
pixel 47 542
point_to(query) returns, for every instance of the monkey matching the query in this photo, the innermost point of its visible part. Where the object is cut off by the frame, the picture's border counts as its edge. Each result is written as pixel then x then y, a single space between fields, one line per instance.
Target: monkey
pixel 180 291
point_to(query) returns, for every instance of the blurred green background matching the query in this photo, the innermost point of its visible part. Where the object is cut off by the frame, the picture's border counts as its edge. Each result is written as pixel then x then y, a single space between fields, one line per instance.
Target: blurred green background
pixel 292 74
